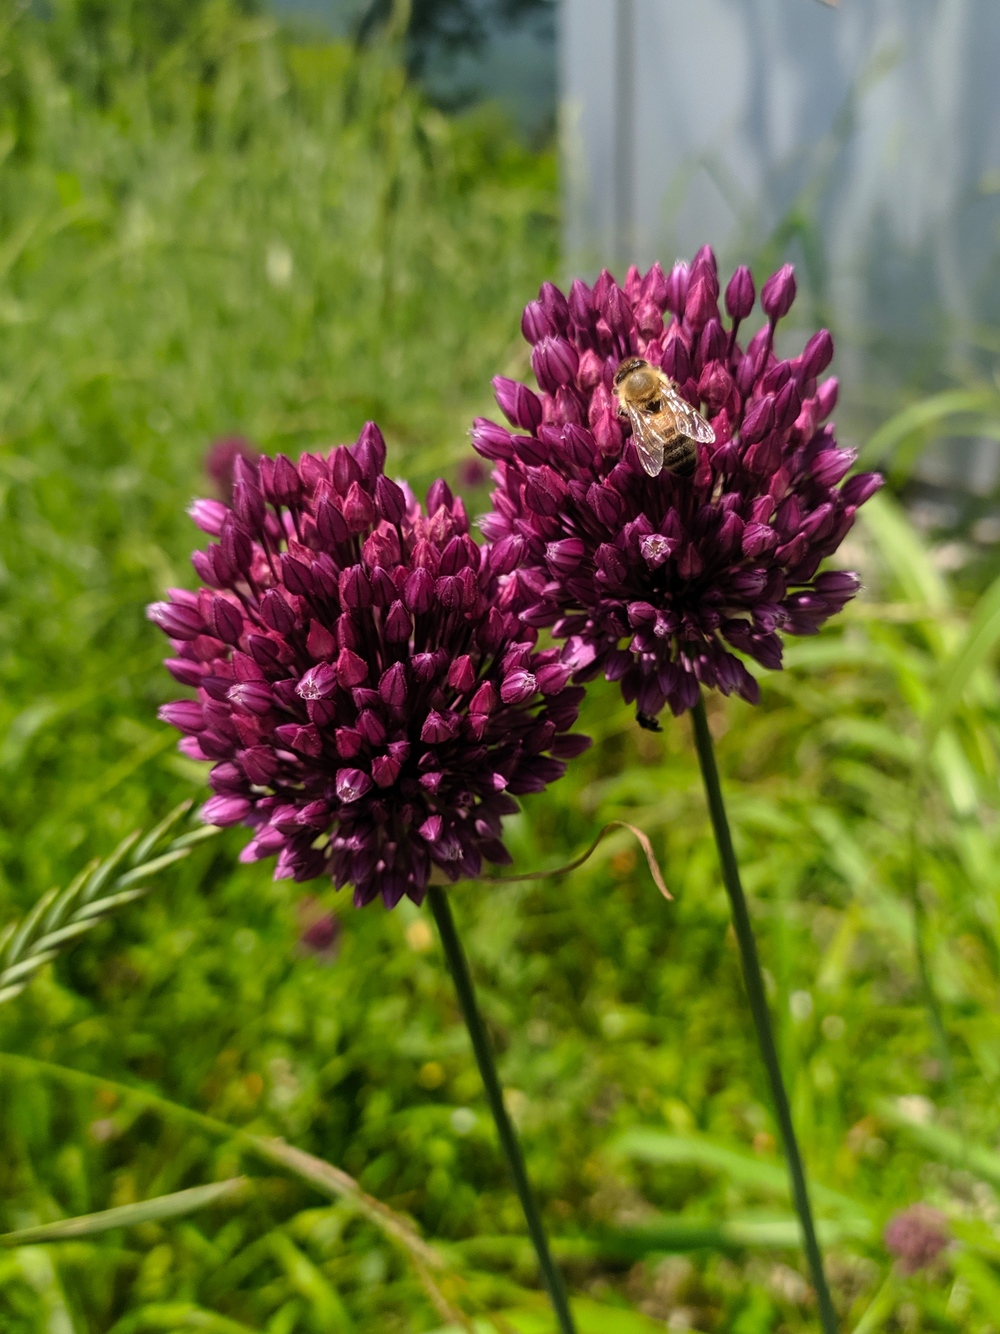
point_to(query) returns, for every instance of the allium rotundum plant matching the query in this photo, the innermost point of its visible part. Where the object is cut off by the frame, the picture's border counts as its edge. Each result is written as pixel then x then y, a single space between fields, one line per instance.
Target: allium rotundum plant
pixel 370 699
pixel 668 582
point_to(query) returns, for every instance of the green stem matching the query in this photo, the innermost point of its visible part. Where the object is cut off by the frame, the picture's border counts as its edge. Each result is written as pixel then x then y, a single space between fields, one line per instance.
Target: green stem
pixel 754 981
pixel 459 968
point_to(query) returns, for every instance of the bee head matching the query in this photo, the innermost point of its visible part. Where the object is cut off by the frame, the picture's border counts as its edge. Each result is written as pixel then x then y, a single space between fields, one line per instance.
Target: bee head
pixel 626 367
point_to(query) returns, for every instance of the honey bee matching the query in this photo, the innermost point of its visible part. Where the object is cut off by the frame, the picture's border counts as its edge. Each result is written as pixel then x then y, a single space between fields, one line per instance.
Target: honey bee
pixel 647 721
pixel 666 429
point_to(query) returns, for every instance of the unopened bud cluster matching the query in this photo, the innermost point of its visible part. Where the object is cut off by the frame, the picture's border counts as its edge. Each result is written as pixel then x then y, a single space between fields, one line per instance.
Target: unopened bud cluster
pixel 656 580
pixel 368 694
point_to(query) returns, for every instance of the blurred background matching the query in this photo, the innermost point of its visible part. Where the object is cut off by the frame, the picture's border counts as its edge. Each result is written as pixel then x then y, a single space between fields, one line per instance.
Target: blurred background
pixel 223 219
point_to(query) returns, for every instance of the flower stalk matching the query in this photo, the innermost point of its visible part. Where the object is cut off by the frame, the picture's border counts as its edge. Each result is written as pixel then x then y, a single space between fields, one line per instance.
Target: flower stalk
pixel 459 969
pixel 754 980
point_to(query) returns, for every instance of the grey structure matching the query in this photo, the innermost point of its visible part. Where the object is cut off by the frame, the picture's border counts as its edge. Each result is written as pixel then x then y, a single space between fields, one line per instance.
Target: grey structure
pixel 860 141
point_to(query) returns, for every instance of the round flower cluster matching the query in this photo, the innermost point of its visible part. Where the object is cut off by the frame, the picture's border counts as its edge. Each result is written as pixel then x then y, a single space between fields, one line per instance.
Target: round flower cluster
pixel 656 579
pixel 365 687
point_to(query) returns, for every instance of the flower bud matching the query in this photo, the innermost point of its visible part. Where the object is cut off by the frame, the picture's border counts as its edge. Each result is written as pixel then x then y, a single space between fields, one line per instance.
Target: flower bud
pixel 209 515
pixel 555 362
pixel 535 323
pixel 816 355
pixel 517 403
pixel 179 622
pixel 740 294
pixel 778 293
pixel 352 784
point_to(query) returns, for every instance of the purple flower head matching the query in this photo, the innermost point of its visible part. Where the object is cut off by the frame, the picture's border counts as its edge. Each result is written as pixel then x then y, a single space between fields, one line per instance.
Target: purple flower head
pixel 371 698
pixel 916 1236
pixel 666 583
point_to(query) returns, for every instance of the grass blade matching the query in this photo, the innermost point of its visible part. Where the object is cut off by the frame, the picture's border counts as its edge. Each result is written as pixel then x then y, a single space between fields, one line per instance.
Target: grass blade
pixel 175 1205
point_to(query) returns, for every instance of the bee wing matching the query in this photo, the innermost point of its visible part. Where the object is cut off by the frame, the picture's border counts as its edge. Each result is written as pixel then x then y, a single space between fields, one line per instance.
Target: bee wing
pixel 689 420
pixel 648 440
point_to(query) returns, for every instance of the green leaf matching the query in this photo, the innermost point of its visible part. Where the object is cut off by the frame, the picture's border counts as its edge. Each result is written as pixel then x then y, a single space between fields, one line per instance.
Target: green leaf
pixel 919 416
pixel 176 1205
pixel 659 1146
pixel 980 640
pixel 905 554
pixel 177 1316
pixel 947 1146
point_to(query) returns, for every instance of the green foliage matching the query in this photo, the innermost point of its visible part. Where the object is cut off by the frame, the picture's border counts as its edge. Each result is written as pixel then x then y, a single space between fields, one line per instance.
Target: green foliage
pixel 283 242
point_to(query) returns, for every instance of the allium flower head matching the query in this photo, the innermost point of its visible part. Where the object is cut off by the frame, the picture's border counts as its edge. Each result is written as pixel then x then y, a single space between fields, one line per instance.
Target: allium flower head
pixel 917 1236
pixel 371 699
pixel 656 580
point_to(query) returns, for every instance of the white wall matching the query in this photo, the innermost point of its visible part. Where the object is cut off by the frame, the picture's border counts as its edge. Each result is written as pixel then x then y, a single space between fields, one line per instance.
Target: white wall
pixel 686 121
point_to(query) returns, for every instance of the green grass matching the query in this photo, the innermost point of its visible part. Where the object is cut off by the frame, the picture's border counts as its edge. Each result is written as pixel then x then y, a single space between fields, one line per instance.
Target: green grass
pixel 284 247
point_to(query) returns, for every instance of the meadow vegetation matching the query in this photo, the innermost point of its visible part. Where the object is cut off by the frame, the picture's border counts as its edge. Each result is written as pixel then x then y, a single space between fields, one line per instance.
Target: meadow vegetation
pixel 209 230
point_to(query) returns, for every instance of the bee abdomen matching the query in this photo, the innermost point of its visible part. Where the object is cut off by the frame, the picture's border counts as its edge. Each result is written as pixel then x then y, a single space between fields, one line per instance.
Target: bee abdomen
pixel 681 457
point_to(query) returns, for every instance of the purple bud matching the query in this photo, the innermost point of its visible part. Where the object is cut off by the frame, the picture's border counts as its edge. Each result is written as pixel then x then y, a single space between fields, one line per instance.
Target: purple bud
pixel 700 306
pixel 861 487
pixel 385 770
pixel 184 714
pixel 225 810
pixel 398 625
pixel 260 764
pixel 392 686
pixel 555 305
pixel 330 523
pixel 787 406
pixel 677 288
pixel 252 696
pixel 286 484
pixel 179 622
pixel 318 682
pixel 826 398
pixel 209 515
pixel 462 674
pixel 351 670
pixel 563 557
pixel 359 512
pixel 345 469
pixel 227 621
pixel 778 293
pixel 759 419
pixel 535 323
pixel 369 453
pixel 307 739
pixel 391 499
pixel 517 686
pixel 418 591
pixel 296 576
pixel 740 294
pixel 676 355
pixel 439 727
pixel 553 677
pixel 518 404
pixel 182 670
pixel 276 612
pixel 355 588
pixel 555 362
pixel 831 465
pixel 248 504
pixel 817 355
pixel 581 306
pixel 352 784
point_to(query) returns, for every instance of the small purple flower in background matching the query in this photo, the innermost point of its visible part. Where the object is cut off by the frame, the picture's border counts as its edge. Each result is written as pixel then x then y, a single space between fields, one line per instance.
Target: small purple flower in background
pixel 917 1236
pixel 369 695
pixel 319 930
pixel 221 459
pixel 656 580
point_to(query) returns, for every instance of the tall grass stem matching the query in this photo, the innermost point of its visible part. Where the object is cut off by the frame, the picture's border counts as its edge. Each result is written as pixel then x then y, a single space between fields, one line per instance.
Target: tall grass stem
pixel 459 968
pixel 754 981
